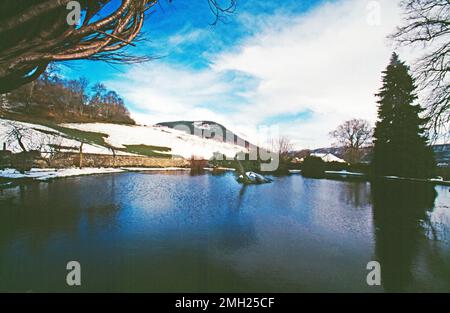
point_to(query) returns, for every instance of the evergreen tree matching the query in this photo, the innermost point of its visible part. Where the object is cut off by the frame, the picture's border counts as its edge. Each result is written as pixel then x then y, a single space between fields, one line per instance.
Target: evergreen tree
pixel 401 146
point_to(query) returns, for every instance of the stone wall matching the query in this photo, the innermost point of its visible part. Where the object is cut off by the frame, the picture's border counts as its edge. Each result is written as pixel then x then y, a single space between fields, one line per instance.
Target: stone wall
pixel 63 160
pixel 5 158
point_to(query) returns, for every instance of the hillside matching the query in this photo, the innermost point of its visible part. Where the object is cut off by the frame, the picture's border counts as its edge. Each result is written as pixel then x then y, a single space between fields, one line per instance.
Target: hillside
pixel 209 130
pixel 106 138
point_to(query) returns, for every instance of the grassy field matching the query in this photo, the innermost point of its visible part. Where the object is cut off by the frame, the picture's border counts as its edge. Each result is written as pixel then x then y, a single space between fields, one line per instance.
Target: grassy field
pixel 150 151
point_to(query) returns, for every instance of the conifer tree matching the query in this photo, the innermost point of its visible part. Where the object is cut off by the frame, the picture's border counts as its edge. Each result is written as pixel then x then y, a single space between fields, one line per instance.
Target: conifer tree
pixel 401 146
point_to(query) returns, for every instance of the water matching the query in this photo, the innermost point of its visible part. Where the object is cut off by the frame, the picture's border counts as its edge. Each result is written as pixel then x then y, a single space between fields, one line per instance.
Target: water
pixel 172 232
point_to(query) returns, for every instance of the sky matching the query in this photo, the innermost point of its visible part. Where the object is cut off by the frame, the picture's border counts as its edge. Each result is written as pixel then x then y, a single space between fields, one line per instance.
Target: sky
pixel 298 67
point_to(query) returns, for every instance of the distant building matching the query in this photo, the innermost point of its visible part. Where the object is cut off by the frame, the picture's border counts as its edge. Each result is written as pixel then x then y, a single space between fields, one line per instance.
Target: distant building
pixel 326 157
pixel 442 155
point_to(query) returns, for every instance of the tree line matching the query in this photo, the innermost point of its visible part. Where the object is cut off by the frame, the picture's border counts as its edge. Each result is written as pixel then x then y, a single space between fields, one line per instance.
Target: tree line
pixel 67 100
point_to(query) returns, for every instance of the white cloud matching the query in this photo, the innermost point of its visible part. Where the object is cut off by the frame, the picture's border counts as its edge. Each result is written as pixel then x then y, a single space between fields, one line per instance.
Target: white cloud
pixel 161 92
pixel 328 60
pixel 187 35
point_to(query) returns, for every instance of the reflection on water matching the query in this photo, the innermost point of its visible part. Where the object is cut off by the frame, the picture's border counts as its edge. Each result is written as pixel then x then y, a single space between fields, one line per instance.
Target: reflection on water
pixel 402 214
pixel 161 232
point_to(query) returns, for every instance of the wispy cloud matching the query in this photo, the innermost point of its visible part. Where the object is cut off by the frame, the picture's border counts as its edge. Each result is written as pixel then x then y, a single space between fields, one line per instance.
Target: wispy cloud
pixel 187 36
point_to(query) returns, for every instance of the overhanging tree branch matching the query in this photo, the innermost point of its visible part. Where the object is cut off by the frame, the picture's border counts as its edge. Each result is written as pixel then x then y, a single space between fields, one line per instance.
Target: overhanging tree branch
pixel 34 33
pixel 427 25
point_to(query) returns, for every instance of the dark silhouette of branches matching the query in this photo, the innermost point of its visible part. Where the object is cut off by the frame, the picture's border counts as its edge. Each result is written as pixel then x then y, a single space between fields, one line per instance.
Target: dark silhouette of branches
pixel 35 33
pixel 220 11
pixel 427 25
pixel 18 133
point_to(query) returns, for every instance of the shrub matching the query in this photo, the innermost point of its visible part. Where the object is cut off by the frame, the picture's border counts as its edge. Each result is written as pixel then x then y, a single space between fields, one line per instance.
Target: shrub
pixel 198 166
pixel 23 161
pixel 313 167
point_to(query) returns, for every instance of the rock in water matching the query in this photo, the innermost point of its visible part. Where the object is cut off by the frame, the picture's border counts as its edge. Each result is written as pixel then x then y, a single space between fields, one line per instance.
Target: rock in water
pixel 253 178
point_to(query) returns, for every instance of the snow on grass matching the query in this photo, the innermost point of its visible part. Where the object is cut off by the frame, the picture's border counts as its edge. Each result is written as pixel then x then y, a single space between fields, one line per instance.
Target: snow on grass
pixel 179 142
pixel 46 174
pixel 154 169
pixel 344 172
pixel 51 173
pixel 227 169
pixel 39 137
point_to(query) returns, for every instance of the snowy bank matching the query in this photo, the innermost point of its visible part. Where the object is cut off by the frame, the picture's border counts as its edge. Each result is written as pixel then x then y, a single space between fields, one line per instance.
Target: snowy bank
pixel 154 169
pixel 344 173
pixel 51 173
pixel 47 174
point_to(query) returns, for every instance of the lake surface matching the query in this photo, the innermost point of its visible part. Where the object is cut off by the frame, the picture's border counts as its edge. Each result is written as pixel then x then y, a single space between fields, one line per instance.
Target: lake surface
pixel 172 232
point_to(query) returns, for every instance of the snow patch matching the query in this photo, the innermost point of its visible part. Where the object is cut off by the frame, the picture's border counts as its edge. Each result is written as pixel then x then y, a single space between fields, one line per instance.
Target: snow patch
pixel 46 174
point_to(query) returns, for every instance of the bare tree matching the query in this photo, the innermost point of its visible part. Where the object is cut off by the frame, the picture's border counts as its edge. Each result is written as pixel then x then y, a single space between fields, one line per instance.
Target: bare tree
pixel 353 135
pixel 282 145
pixel 18 133
pixel 34 33
pixel 427 26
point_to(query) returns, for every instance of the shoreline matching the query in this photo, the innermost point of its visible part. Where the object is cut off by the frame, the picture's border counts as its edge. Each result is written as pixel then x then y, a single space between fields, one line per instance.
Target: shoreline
pixel 345 175
pixel 43 175
pixel 10 177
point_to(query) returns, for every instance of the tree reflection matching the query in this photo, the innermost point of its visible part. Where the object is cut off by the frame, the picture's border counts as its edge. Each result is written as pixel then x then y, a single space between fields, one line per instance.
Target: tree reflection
pixel 356 194
pixel 398 209
pixel 39 211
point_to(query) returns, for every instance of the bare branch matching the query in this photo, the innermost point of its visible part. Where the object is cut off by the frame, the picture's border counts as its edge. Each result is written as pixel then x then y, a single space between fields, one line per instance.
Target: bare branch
pixel 34 35
pixel 427 25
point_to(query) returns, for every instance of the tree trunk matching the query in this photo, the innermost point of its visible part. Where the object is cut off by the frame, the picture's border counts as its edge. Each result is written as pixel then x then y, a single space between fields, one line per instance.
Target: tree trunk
pixel 81 156
pixel 19 140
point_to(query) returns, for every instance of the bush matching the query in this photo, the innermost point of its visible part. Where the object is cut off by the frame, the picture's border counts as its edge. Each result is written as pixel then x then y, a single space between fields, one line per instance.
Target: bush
pixel 360 168
pixel 443 172
pixel 5 159
pixel 313 167
pixel 336 166
pixel 198 166
pixel 23 161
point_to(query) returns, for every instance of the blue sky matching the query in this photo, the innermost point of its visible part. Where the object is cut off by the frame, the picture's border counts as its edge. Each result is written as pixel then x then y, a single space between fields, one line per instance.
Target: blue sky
pixel 300 67
pixel 182 32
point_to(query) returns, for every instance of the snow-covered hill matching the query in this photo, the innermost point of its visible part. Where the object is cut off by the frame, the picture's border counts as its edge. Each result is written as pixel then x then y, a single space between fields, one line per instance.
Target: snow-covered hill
pixel 43 138
pixel 179 142
pixel 209 129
